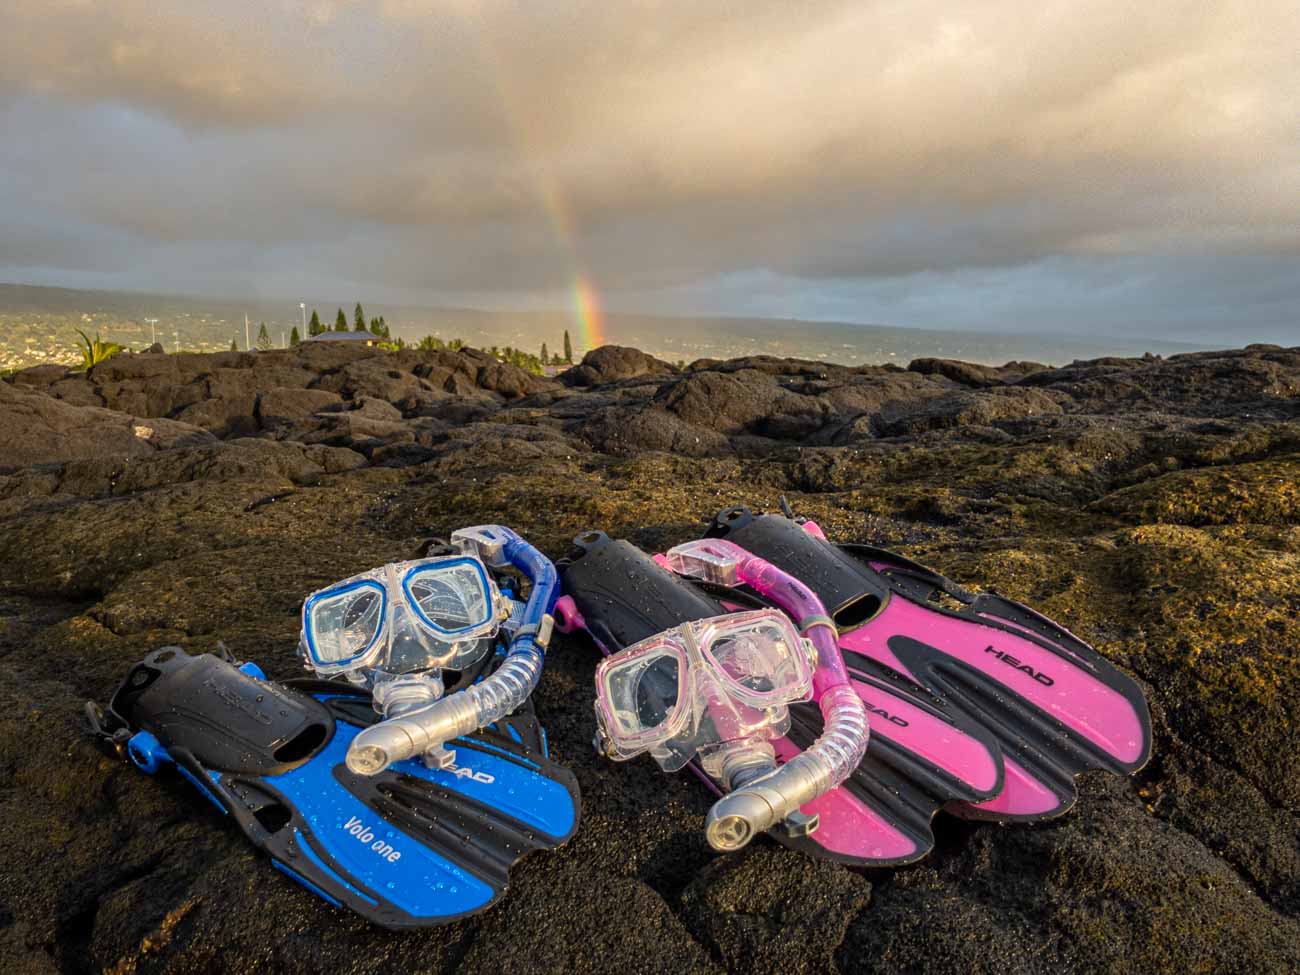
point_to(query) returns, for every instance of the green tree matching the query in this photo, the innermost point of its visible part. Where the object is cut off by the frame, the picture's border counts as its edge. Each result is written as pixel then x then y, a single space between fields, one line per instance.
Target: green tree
pixel 294 337
pixel 359 318
pixel 341 322
pixel 546 359
pixel 263 338
pixel 233 346
pixel 314 327
pixel 568 347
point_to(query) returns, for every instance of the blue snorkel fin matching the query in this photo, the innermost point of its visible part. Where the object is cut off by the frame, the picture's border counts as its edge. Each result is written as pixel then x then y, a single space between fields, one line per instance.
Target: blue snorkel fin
pixel 410 846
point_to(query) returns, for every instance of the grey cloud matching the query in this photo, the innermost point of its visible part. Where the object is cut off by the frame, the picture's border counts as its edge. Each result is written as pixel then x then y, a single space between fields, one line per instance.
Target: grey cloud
pixel 434 147
pixel 1193 299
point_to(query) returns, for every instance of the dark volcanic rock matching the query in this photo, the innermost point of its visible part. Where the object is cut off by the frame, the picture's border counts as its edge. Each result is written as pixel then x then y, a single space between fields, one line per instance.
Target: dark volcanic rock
pixel 975 376
pixel 356 431
pixel 78 391
pixel 373 377
pixel 742 402
pixel 371 408
pixel 224 416
pixel 156 368
pixel 1093 879
pixel 510 381
pixel 968 409
pixel 803 368
pixel 1149 504
pixel 770 910
pixel 1209 384
pixel 264 374
pixel 126 397
pixel 611 363
pixel 626 430
pixel 277 406
pixel 37 429
pixel 40 376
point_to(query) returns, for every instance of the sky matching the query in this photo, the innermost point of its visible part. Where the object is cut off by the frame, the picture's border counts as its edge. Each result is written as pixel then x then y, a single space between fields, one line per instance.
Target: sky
pixel 1055 166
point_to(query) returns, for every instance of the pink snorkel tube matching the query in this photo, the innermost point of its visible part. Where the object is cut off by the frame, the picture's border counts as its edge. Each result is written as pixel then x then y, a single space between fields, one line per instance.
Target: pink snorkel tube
pixel 769 797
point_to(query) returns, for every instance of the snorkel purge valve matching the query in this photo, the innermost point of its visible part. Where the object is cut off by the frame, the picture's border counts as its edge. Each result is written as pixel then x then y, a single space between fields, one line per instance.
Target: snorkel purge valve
pixel 426 729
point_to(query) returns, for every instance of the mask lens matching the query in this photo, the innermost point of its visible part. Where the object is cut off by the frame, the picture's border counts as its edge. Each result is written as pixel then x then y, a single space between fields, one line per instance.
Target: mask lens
pixel 342 624
pixel 763 657
pixel 642 692
pixel 451 597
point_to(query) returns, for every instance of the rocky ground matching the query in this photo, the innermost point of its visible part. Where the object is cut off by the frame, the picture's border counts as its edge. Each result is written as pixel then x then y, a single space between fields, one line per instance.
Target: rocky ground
pixel 1151 504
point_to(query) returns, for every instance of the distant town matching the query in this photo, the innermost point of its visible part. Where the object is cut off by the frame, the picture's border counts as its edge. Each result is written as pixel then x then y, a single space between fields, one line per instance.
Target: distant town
pixel 39 324
pixel 73 337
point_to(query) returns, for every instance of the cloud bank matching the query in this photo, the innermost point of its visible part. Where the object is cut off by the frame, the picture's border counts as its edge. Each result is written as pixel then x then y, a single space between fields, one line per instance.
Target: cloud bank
pixel 1040 165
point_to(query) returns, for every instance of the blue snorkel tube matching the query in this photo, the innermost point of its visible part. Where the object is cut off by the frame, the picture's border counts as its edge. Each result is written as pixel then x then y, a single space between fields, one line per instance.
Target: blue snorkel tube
pixel 428 728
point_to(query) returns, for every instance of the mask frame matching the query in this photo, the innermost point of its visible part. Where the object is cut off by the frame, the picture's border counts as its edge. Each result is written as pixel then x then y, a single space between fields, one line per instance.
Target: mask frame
pixel 401 617
pixel 713 703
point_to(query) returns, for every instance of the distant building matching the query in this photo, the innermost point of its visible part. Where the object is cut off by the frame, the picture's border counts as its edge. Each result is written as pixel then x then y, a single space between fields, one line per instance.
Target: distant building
pixel 369 338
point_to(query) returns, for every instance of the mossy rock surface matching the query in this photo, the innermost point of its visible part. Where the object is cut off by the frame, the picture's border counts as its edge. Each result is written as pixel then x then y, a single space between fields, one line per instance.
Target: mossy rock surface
pixel 1151 505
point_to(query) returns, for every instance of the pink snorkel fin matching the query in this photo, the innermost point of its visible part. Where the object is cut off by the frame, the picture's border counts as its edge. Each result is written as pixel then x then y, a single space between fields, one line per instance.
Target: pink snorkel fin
pixel 1054 706
pixel 879 814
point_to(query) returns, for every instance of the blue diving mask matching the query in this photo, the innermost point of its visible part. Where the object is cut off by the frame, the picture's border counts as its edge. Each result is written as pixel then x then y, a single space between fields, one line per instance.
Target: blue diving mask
pixel 404 618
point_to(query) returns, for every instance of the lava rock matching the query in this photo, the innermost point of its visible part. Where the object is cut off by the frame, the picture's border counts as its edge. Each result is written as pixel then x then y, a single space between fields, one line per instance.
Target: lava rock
pixel 278 406
pixel 966 409
pixel 38 429
pixel 975 376
pixel 742 402
pixel 40 376
pixel 611 363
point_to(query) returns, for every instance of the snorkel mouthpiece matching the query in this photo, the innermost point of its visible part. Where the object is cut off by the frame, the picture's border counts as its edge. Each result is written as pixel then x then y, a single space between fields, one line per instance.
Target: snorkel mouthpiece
pixel 369 760
pixel 729 831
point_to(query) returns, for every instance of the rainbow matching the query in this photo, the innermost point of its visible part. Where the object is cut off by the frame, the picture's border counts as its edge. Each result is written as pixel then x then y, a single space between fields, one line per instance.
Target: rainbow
pixel 588 323
pixel 586 315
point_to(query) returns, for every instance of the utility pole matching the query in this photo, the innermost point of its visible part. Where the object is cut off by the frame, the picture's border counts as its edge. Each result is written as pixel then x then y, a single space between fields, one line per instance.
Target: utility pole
pixel 248 345
pixel 153 330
